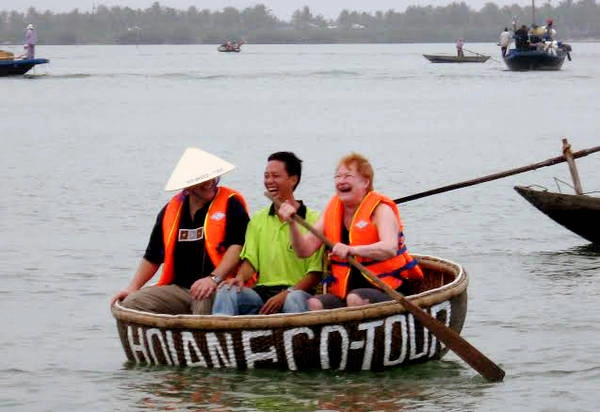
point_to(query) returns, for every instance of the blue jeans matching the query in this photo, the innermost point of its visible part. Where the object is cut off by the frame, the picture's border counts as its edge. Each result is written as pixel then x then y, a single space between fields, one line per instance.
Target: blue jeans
pixel 248 302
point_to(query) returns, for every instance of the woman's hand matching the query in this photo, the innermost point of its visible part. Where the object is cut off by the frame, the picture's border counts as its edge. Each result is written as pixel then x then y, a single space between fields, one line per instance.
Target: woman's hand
pixel 342 250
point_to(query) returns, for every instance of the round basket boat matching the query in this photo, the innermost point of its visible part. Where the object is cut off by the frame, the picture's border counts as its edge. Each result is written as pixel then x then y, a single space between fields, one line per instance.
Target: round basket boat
pixel 370 337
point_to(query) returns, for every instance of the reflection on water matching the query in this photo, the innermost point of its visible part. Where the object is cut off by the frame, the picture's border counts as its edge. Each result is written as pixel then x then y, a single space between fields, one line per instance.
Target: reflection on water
pixel 264 390
pixel 592 250
pixel 574 263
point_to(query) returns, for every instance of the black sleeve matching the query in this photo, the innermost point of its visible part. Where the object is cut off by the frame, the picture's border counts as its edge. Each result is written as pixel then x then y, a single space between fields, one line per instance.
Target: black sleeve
pixel 155 251
pixel 237 221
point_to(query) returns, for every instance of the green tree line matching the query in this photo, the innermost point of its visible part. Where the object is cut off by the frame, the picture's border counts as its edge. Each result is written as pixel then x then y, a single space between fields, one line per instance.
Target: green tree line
pixel 164 25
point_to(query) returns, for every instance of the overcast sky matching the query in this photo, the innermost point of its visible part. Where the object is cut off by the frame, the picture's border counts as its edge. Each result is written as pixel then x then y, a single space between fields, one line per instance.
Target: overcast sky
pixel 283 9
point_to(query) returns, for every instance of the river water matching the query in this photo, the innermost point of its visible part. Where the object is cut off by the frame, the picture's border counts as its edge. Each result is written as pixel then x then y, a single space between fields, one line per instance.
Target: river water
pixel 89 141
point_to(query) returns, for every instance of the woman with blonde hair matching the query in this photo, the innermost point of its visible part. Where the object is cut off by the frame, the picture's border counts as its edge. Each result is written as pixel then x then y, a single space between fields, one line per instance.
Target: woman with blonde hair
pixel 362 223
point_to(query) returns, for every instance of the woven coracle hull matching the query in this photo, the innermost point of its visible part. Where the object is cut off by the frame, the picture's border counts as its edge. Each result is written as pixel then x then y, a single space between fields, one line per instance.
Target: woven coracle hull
pixel 371 337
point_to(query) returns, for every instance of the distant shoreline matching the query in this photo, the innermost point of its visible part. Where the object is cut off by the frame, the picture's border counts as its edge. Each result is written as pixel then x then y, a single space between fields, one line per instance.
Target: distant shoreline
pixel 274 44
pixel 257 25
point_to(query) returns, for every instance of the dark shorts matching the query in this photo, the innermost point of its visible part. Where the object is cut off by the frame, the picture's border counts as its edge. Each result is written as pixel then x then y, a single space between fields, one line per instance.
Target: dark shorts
pixel 373 295
pixel 330 301
pixel 267 292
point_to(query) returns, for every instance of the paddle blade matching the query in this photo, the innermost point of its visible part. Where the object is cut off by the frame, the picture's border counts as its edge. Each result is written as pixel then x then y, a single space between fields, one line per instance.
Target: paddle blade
pixel 467 352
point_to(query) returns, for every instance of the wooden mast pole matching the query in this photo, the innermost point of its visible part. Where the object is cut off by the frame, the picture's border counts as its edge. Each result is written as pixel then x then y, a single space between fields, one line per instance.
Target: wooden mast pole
pixel 566 148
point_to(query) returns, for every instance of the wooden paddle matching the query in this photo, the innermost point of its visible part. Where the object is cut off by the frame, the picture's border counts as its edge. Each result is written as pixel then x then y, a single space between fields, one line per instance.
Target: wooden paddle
pixel 470 51
pixel 498 175
pixel 478 361
pixel 479 54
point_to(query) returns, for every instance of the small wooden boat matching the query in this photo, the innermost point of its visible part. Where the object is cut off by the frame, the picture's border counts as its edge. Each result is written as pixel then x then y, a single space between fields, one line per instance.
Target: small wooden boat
pixel 579 213
pixel 225 49
pixel 15 67
pixel 371 337
pixel 231 47
pixel 447 58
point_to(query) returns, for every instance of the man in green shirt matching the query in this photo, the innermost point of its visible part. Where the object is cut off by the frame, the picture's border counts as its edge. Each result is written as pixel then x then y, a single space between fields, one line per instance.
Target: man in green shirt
pixel 285 281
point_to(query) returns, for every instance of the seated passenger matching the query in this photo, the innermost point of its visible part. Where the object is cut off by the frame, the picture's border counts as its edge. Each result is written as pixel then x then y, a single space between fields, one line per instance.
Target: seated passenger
pixel 196 250
pixel 522 38
pixel 285 281
pixel 360 223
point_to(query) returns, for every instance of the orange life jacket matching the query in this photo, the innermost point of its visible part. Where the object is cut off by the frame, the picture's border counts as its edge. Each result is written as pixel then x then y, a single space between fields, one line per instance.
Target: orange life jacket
pixel 214 229
pixel 363 232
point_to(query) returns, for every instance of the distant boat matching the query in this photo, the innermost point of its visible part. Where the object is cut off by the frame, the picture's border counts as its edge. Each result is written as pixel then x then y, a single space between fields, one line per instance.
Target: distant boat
pixel 551 58
pixel 231 46
pixel 446 58
pixel 9 66
pixel 534 52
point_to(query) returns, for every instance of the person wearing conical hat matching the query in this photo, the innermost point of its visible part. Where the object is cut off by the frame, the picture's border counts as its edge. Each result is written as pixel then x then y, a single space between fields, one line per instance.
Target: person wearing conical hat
pixel 30 40
pixel 197 238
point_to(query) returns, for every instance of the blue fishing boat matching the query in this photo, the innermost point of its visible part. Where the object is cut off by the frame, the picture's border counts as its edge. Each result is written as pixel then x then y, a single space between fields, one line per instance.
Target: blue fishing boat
pixel 536 48
pixel 551 58
pixel 16 67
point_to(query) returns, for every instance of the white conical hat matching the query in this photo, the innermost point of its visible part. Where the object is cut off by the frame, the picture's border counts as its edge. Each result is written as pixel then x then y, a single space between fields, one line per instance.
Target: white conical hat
pixel 196 166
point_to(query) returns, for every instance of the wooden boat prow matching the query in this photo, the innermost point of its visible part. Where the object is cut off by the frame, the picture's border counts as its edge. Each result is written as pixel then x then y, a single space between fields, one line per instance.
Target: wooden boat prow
pixel 371 337
pixel 579 213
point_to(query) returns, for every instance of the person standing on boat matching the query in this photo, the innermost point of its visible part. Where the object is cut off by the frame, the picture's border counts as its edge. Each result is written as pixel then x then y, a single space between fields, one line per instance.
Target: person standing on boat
pixel 30 40
pixel 285 281
pixel 362 223
pixel 522 38
pixel 535 36
pixel 197 238
pixel 504 42
pixel 459 47
pixel 549 31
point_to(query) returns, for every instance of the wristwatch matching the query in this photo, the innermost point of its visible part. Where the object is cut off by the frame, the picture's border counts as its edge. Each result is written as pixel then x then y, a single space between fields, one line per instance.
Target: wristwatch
pixel 216 278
